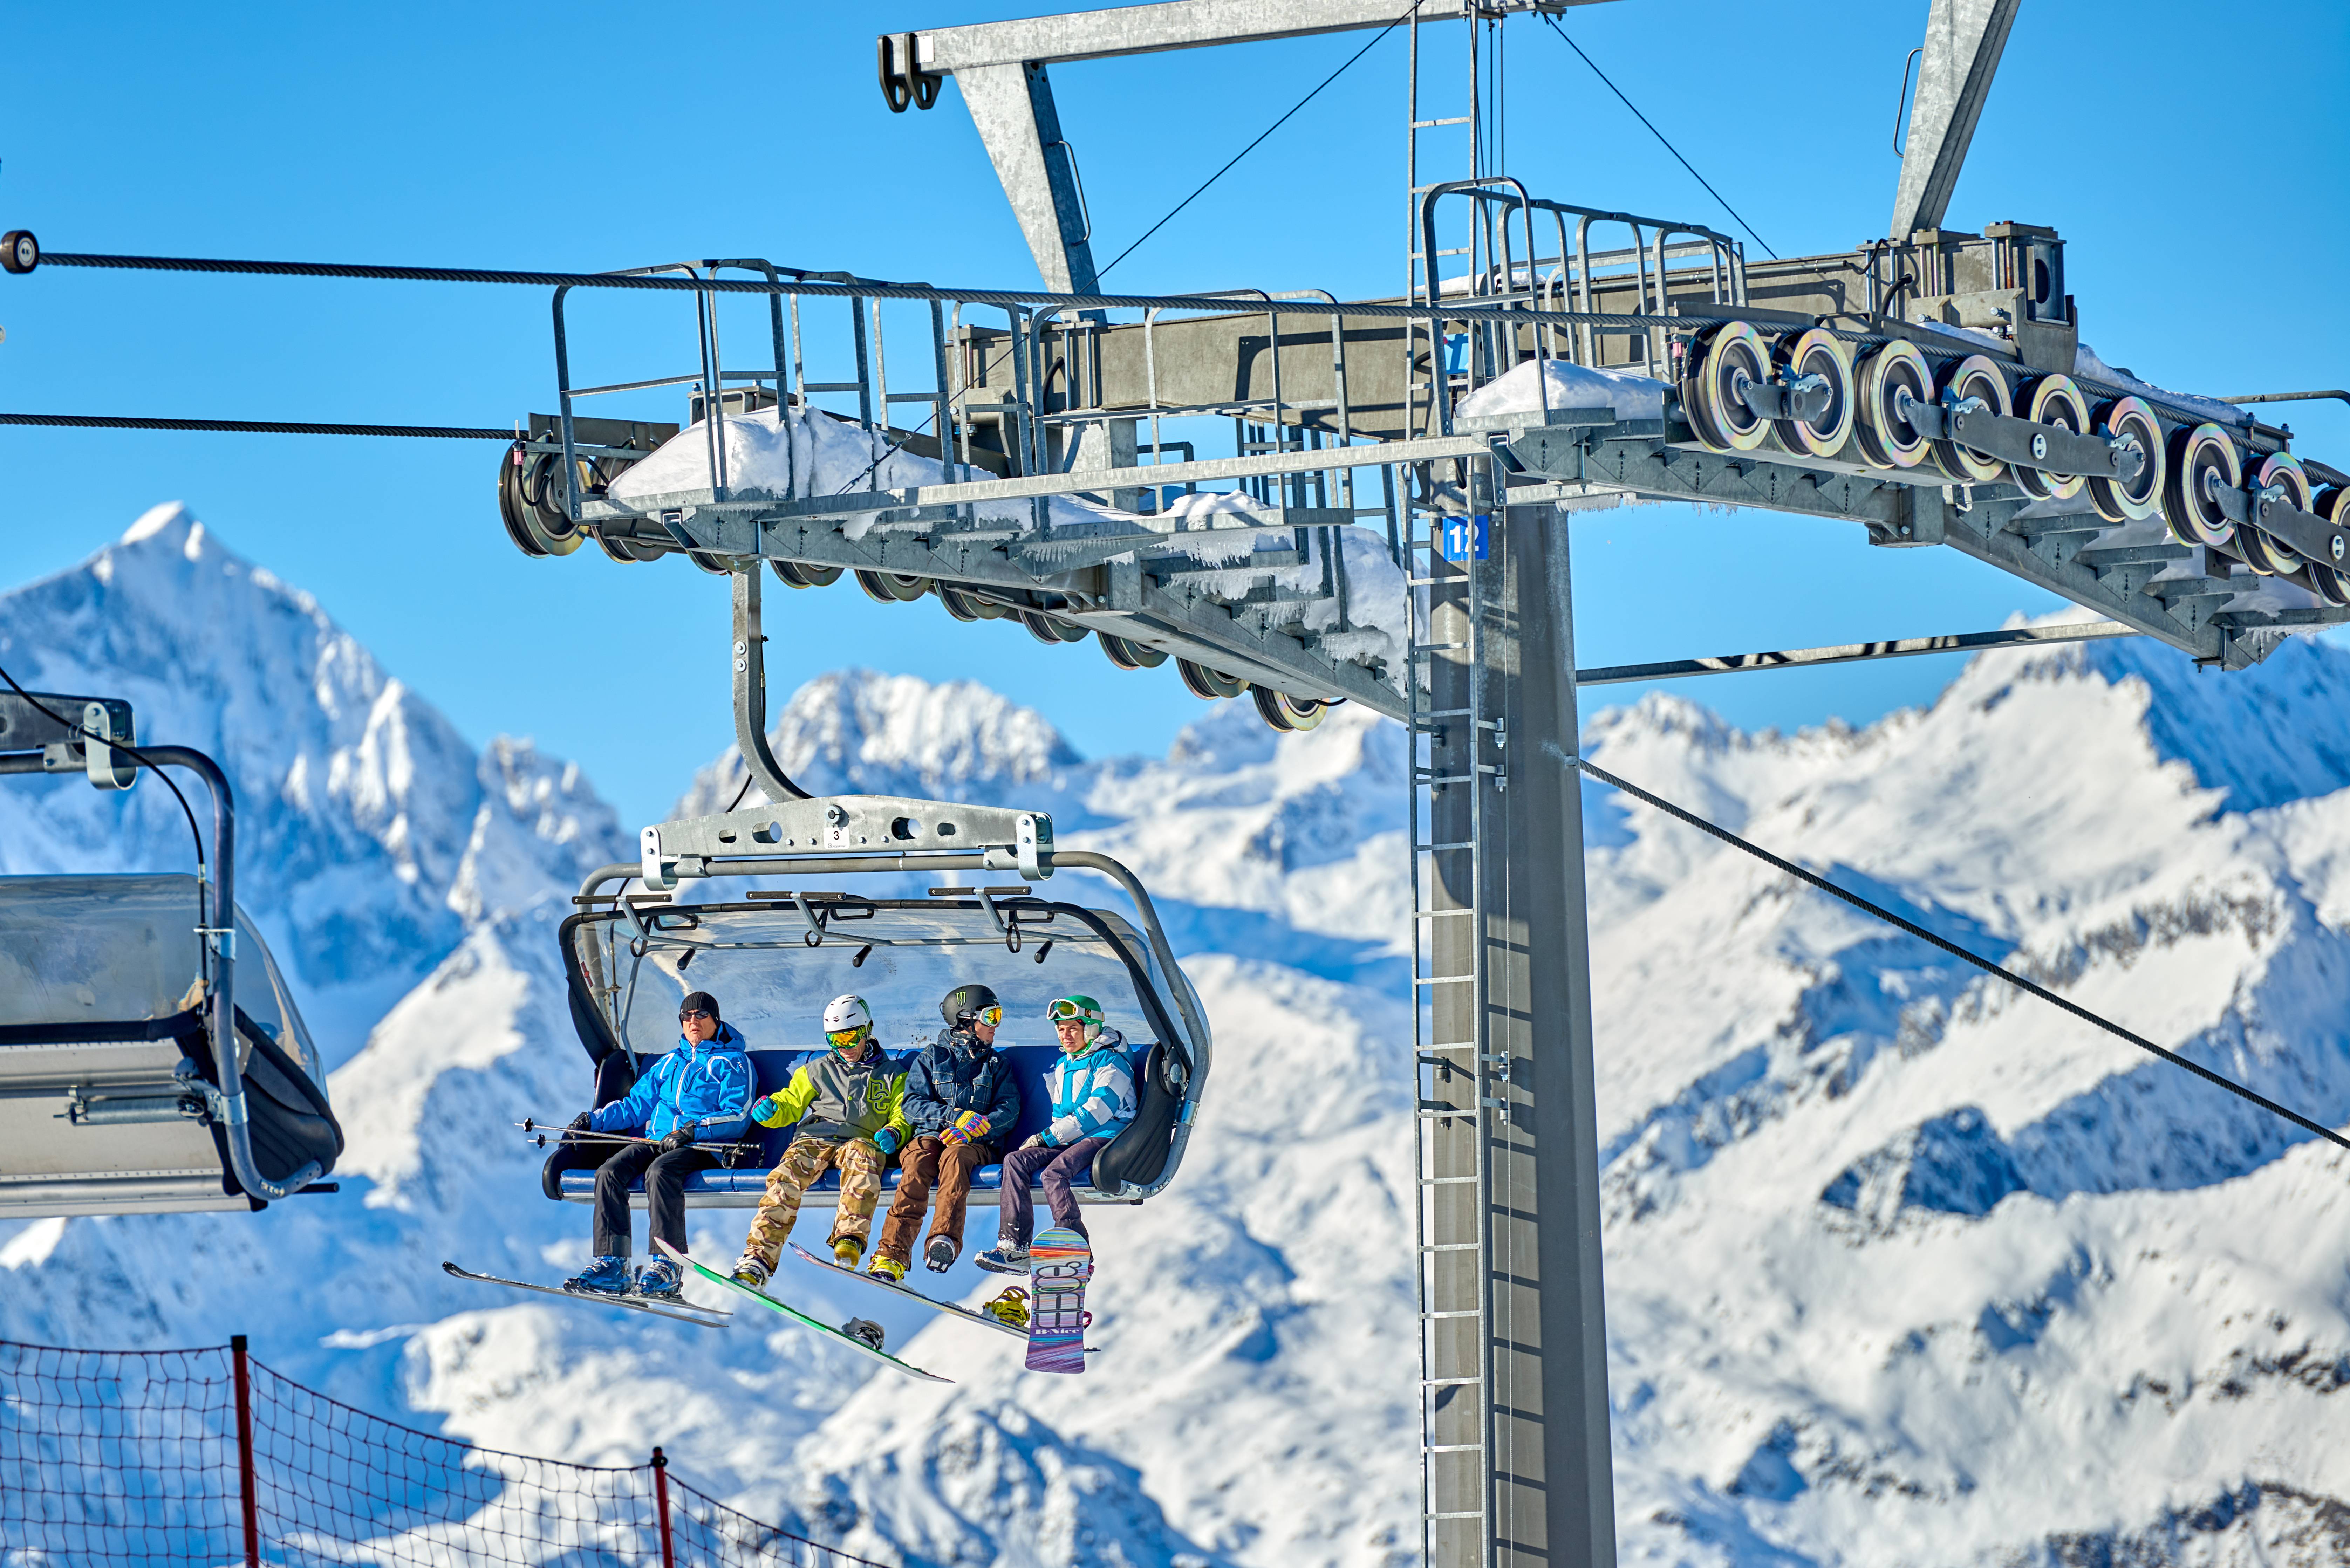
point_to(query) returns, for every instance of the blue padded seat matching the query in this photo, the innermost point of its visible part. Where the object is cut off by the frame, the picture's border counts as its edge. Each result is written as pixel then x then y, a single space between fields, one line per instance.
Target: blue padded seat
pixel 774 1069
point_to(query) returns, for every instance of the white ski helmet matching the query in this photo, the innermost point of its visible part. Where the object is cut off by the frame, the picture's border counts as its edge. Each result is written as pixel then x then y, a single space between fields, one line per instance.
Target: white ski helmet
pixel 843 1014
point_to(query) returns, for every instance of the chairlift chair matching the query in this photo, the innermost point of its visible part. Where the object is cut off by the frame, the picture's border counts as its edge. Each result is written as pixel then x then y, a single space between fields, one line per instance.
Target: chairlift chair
pixel 119 1002
pixel 772 958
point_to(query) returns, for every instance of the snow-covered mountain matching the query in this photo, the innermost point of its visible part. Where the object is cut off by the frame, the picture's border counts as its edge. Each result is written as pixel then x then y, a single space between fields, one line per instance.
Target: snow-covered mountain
pixel 1905 1268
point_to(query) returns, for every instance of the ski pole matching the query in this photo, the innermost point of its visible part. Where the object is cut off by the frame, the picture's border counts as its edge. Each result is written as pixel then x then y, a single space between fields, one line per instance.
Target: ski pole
pixel 530 1125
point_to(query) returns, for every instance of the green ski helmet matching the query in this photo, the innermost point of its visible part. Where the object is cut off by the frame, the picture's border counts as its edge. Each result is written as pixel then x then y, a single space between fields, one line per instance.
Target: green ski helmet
pixel 1070 1009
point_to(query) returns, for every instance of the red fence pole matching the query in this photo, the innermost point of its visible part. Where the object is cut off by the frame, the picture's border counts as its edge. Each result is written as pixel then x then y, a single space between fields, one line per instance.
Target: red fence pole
pixel 660 1504
pixel 244 1452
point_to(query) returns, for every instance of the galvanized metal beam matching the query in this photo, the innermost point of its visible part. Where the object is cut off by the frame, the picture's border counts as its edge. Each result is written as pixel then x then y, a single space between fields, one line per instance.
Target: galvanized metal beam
pixel 1011 105
pixel 1964 39
pixel 1178 25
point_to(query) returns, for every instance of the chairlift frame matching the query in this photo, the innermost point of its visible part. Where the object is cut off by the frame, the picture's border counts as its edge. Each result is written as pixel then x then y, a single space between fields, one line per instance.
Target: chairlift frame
pixel 102 747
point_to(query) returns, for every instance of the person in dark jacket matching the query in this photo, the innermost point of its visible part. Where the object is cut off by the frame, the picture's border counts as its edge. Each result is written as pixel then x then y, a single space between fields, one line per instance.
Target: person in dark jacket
pixel 686 1101
pixel 960 1100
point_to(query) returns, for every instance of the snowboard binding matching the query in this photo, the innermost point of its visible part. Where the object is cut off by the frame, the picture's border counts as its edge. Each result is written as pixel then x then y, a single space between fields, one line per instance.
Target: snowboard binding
pixel 864 1329
pixel 1009 1307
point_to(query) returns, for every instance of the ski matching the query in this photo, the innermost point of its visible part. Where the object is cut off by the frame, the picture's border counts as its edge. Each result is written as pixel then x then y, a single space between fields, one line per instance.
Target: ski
pixel 1059 1263
pixel 683 1312
pixel 863 1347
pixel 985 1319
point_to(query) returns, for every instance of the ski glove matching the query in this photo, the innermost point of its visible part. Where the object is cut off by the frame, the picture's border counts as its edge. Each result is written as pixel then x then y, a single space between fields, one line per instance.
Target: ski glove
pixel 1035 1141
pixel 886 1140
pixel 682 1138
pixel 581 1122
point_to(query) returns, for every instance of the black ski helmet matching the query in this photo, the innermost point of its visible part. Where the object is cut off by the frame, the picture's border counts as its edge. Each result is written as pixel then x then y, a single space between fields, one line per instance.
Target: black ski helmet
pixel 966 1002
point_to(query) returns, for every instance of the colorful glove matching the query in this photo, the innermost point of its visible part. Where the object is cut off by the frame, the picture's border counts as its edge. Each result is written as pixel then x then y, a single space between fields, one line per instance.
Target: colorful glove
pixel 682 1138
pixel 762 1108
pixel 886 1140
pixel 967 1126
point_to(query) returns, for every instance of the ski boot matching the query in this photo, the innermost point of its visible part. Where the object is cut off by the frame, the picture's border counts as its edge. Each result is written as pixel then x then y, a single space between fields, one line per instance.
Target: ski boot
pixel 940 1255
pixel 885 1267
pixel 606 1276
pixel 751 1270
pixel 1004 1258
pixel 847 1250
pixel 865 1330
pixel 1010 1307
pixel 660 1280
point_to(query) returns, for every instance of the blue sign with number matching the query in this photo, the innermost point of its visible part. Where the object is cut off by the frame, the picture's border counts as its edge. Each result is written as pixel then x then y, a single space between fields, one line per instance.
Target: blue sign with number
pixel 1464 537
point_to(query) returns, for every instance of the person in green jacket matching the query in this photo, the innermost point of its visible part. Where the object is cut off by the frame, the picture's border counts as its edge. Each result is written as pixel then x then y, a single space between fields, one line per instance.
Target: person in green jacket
pixel 846 1102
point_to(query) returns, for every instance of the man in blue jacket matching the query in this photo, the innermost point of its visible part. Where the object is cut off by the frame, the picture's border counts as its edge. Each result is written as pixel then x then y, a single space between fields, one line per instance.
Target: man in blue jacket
pixel 689 1099
pixel 960 1099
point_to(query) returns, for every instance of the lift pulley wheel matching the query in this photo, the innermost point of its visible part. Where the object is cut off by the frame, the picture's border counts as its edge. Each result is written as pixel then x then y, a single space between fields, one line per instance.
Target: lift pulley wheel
pixel 1285 713
pixel 967 606
pixel 1891 379
pixel 1211 684
pixel 2203 462
pixel 891 588
pixel 1975 377
pixel 19 250
pixel 1051 629
pixel 1825 355
pixel 2328 580
pixel 2262 551
pixel 622 548
pixel 800 574
pixel 2132 420
pixel 2055 401
pixel 1128 654
pixel 511 505
pixel 1731 359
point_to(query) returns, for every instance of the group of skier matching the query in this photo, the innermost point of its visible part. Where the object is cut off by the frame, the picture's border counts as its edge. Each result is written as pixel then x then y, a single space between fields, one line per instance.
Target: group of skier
pixel 941 1116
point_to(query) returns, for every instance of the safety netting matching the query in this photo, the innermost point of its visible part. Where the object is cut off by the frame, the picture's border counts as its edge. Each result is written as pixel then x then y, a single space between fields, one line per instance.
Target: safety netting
pixel 144 1459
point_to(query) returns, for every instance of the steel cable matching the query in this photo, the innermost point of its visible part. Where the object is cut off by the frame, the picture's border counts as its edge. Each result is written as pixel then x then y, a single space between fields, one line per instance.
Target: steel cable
pixel 257 426
pixel 1923 935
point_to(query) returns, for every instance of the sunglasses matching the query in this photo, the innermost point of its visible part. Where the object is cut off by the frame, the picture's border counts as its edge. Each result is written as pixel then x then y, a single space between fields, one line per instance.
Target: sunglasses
pixel 697 1013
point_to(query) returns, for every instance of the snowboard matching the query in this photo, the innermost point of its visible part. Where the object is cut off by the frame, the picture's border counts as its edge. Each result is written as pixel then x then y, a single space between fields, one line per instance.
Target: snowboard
pixel 985 1320
pixel 1060 1262
pixel 683 1312
pixel 850 1340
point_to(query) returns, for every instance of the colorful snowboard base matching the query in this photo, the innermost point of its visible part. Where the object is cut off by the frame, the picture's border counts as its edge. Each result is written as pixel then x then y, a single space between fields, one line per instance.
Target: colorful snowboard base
pixel 683 1312
pixel 860 1346
pixel 1060 1262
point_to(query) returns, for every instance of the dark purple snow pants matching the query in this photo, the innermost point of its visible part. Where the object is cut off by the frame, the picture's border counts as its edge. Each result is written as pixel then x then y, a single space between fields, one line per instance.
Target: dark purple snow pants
pixel 1053 1169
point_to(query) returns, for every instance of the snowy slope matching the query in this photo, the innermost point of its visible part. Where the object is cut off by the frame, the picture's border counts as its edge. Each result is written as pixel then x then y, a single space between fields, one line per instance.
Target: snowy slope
pixel 1904 1268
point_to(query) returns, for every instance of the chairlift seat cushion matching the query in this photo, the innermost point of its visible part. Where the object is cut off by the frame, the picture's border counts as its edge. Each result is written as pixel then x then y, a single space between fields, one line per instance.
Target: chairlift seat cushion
pixel 772 1070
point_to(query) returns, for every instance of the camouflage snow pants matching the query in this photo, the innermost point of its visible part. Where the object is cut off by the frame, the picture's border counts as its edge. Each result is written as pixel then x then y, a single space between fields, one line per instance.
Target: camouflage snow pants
pixel 805 1159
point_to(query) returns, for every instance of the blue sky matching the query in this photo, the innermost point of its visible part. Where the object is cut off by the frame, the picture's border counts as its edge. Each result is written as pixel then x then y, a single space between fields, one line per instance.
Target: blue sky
pixel 2193 160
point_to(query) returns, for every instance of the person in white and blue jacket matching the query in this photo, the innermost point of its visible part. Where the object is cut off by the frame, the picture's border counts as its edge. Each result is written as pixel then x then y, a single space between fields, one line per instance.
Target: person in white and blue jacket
pixel 1092 1088
pixel 688 1104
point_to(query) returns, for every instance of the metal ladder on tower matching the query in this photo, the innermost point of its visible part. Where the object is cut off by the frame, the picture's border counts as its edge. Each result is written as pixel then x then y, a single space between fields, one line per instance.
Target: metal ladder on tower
pixel 1422 272
pixel 1448 730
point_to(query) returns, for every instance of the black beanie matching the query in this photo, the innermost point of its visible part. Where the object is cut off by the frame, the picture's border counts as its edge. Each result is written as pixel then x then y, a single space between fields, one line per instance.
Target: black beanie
pixel 701 999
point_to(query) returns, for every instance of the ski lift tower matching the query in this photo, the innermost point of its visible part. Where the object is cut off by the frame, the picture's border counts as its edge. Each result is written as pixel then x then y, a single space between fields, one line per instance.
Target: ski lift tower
pixel 1512 1378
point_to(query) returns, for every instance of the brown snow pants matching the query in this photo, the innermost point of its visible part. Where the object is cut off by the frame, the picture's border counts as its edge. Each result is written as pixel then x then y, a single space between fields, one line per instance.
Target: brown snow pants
pixel 805 1159
pixel 926 1160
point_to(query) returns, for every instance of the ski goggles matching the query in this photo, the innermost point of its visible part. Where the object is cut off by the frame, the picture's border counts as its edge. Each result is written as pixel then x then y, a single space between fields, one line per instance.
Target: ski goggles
pixel 842 1039
pixel 1063 1011
pixel 991 1016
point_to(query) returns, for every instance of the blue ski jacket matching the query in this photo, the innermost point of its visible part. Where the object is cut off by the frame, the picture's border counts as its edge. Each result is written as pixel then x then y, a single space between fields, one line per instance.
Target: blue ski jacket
pixel 956 1072
pixel 706 1086
pixel 1093 1095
